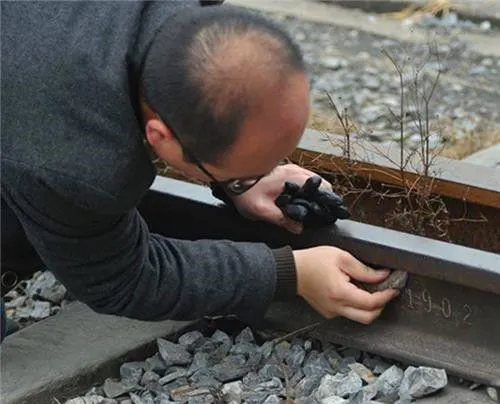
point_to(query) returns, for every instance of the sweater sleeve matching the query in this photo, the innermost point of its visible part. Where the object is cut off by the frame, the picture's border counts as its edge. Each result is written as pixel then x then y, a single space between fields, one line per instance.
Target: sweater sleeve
pixel 115 265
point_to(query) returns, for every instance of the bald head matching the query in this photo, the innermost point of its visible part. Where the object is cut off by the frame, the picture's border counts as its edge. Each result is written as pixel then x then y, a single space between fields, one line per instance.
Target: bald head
pixel 236 65
pixel 210 69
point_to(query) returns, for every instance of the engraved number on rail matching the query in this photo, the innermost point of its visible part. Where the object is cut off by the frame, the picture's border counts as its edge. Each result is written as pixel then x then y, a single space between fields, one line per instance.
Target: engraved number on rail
pixel 426 298
pixel 409 292
pixel 468 313
pixel 445 307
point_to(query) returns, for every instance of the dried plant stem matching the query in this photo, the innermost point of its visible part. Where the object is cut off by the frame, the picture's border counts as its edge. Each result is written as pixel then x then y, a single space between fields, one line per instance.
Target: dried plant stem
pixel 417 208
pixel 346 126
pixel 299 331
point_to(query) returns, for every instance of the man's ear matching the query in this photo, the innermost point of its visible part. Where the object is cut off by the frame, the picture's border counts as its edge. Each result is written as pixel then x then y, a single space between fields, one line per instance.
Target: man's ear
pixel 157 133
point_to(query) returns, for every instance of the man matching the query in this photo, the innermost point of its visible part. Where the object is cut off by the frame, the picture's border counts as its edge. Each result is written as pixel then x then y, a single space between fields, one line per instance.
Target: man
pixel 92 92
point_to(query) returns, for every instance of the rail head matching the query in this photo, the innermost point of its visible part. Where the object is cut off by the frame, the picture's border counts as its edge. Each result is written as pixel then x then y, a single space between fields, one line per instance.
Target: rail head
pixel 374 245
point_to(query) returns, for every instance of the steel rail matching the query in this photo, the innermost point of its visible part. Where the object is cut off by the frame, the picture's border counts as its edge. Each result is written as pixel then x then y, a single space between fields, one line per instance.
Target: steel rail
pixel 452 178
pixel 447 315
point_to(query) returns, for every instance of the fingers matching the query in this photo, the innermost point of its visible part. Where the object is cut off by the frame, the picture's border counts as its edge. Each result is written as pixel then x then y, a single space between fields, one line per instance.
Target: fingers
pixel 325 280
pixel 364 312
pixel 359 271
pixel 363 308
pixel 361 299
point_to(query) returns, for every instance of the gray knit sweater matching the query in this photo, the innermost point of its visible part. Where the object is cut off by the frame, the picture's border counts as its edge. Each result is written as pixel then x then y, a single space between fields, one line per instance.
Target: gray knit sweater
pixel 74 168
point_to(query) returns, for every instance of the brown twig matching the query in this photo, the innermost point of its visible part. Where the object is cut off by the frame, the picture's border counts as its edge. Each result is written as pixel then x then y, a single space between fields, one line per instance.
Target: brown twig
pixel 294 333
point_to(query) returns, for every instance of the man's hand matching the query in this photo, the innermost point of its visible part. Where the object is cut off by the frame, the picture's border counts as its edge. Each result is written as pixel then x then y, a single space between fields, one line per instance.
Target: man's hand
pixel 258 203
pixel 324 280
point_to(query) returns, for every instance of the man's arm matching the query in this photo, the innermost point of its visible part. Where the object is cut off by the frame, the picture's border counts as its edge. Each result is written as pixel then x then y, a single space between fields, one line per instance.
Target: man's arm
pixel 115 265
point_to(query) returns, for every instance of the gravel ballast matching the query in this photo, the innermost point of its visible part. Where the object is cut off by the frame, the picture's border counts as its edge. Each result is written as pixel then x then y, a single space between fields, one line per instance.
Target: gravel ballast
pixel 216 367
pixel 35 299
pixel 351 65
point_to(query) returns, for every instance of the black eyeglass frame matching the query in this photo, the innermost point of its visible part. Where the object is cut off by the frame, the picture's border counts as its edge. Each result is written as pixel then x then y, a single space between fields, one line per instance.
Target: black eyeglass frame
pixel 234 186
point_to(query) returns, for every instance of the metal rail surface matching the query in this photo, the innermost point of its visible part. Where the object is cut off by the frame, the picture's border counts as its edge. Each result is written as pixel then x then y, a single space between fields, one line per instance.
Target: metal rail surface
pixel 447 315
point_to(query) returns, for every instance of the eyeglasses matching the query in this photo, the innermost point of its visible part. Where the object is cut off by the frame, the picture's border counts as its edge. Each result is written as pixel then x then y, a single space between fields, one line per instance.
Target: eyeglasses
pixel 234 186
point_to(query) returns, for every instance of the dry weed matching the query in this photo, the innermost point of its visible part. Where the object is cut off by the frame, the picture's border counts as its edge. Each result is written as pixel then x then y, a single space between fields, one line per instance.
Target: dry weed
pixel 417 208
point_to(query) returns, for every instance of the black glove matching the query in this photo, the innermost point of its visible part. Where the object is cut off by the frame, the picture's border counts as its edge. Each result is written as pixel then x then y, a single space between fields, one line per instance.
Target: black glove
pixel 309 204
